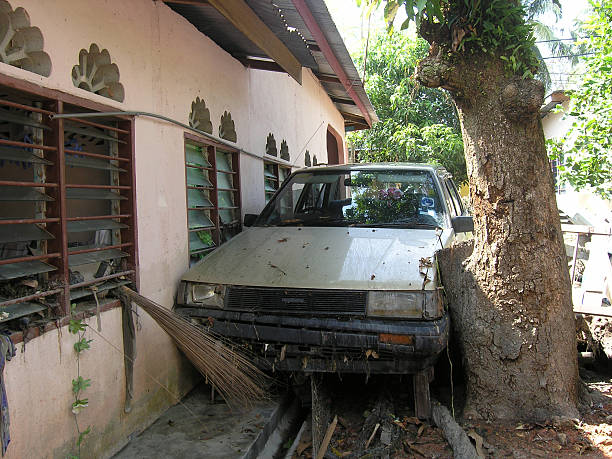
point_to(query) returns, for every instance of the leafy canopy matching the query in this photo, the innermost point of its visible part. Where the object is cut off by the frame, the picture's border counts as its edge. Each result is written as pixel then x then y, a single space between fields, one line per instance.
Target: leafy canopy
pixel 417 124
pixel 585 153
pixel 499 28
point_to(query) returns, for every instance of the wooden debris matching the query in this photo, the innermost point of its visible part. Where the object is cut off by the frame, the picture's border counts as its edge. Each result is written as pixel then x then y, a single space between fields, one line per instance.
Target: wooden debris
pixel 328 435
pixel 376 427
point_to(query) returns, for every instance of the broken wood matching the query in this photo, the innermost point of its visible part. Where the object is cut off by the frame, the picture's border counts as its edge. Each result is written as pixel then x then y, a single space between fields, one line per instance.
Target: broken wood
pixel 453 432
pixel 367 445
pixel 327 438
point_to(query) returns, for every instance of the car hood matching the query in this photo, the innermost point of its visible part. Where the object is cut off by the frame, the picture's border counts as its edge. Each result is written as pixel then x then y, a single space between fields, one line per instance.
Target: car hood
pixel 323 258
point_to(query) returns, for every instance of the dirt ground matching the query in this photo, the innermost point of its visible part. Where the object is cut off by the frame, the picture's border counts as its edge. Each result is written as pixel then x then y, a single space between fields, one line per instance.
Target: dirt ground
pixel 587 437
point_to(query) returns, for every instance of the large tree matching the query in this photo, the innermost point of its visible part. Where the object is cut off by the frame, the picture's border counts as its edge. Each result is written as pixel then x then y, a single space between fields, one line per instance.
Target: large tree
pixel 417 124
pixel 516 322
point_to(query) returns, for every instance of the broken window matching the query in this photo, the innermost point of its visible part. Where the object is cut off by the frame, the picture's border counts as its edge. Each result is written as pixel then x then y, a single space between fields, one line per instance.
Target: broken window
pixel 67 228
pixel 213 195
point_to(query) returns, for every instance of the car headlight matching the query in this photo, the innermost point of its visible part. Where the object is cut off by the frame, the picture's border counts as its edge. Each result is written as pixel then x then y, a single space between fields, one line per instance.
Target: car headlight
pixel 406 305
pixel 210 295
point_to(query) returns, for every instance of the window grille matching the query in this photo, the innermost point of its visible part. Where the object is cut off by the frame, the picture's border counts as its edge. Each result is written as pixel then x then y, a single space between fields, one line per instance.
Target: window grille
pixel 67 220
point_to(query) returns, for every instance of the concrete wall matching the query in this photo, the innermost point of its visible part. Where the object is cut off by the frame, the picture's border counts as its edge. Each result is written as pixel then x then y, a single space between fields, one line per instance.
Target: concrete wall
pixel 165 63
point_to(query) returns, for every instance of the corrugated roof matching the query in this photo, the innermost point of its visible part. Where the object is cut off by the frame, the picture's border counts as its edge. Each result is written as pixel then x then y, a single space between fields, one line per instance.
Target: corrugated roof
pixel 284 20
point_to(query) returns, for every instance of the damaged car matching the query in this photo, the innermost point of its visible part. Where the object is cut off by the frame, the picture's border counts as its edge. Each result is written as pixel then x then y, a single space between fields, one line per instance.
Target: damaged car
pixel 337 273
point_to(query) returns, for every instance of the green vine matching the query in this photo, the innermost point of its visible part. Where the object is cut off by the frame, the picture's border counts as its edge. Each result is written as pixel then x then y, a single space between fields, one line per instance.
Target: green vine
pixel 79 384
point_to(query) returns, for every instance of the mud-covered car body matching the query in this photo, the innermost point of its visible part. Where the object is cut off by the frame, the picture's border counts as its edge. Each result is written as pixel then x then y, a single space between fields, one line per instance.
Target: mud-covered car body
pixel 337 273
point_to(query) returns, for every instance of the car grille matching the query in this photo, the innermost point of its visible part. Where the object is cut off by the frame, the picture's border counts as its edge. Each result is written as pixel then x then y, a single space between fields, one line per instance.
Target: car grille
pixel 296 301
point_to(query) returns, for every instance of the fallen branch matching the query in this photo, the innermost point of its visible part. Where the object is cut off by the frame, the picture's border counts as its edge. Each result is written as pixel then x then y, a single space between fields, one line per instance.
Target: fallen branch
pixel 454 434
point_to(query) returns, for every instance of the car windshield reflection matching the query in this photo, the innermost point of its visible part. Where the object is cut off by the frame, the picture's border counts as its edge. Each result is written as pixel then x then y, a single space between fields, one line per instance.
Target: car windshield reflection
pixel 361 198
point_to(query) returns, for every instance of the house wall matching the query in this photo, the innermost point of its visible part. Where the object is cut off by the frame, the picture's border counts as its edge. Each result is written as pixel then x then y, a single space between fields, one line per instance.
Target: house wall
pixel 165 63
pixel 591 208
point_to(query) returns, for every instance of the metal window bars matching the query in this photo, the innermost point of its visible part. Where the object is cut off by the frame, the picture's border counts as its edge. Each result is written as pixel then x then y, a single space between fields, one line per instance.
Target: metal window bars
pixel 212 177
pixel 67 204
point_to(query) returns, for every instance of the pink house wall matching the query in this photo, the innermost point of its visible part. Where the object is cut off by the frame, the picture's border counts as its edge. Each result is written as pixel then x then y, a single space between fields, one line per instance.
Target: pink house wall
pixel 165 63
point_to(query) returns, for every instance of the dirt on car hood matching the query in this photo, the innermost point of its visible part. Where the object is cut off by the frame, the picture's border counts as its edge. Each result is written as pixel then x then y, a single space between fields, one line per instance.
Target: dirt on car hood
pixel 323 258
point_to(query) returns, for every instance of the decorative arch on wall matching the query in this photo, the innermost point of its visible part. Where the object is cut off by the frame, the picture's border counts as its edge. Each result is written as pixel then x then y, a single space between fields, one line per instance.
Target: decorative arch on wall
pixel 314 160
pixel 284 150
pixel 199 117
pixel 307 161
pixel 96 73
pixel 227 130
pixel 271 145
pixel 22 45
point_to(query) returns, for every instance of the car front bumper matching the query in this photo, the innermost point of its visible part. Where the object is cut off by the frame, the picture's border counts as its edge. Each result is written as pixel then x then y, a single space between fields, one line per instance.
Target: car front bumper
pixel 315 344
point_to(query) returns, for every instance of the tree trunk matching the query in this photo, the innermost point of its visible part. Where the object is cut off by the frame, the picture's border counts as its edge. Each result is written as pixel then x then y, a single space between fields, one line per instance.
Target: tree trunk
pixel 516 326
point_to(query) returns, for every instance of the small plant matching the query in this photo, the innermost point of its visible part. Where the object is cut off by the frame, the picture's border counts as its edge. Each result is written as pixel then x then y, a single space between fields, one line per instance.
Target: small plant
pixel 79 384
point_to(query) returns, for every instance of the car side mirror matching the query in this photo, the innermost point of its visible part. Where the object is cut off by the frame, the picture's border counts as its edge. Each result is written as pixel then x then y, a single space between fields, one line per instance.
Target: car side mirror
pixel 249 219
pixel 463 224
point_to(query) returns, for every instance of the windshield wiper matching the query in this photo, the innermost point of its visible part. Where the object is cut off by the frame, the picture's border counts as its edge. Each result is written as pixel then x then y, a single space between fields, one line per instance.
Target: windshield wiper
pixel 408 225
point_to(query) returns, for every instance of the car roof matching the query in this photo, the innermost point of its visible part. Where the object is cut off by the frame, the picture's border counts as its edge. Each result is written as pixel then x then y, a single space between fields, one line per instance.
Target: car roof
pixel 378 167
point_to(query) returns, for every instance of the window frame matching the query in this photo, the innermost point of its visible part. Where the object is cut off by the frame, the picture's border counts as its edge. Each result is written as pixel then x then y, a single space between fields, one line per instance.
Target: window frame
pixel 278 179
pixel 56 186
pixel 212 148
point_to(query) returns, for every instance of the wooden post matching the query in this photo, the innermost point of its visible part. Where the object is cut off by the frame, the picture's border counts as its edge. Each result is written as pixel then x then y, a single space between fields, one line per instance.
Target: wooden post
pixel 321 410
pixel 422 402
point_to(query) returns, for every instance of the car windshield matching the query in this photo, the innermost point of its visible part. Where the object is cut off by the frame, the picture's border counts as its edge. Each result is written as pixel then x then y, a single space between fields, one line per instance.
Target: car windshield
pixel 376 198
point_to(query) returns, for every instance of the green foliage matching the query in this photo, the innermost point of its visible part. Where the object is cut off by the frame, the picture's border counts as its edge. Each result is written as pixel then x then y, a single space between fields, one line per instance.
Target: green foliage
pixel 417 124
pixel 80 384
pixel 205 237
pixel 81 345
pixel 585 153
pixel 496 27
pixel 82 435
pixel 76 326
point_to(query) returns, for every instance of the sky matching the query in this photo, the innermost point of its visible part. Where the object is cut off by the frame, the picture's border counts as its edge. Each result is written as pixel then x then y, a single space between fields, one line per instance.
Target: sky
pixel 353 28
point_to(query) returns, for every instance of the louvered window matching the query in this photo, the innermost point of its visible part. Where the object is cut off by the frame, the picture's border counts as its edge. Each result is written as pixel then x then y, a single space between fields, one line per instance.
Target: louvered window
pixel 274 176
pixel 213 195
pixel 67 224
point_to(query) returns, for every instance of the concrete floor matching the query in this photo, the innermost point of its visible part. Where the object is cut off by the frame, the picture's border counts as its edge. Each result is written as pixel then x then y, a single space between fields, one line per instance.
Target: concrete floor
pixel 215 431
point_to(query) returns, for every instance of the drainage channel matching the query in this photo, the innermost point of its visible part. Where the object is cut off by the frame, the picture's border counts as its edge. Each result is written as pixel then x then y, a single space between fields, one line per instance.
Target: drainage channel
pixel 209 428
pixel 286 424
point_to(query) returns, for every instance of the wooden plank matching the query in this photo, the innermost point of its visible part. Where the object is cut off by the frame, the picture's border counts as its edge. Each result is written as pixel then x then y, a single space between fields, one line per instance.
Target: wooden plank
pixel 585 229
pixel 327 438
pixel 245 20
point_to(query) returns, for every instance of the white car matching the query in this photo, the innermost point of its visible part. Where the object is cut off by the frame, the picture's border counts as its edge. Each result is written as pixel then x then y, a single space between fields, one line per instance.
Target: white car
pixel 337 273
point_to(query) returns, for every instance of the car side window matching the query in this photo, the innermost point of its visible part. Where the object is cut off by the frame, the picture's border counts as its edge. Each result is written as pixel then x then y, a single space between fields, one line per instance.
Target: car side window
pixel 452 206
pixel 452 189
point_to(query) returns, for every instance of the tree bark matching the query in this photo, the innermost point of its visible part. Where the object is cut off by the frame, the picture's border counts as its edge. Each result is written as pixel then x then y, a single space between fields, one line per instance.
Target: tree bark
pixel 516 325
